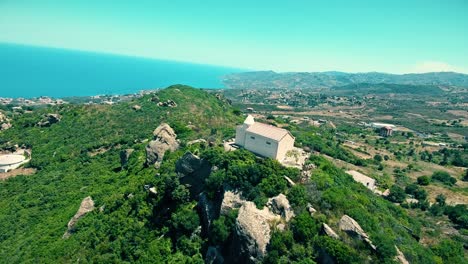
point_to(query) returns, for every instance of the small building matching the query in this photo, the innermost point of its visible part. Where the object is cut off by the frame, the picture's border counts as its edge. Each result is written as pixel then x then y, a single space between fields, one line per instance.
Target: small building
pixel 386 131
pixel 363 179
pixel 263 139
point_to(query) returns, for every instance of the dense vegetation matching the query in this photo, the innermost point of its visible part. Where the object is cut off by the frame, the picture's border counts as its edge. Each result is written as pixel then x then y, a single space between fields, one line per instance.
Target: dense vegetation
pixel 79 157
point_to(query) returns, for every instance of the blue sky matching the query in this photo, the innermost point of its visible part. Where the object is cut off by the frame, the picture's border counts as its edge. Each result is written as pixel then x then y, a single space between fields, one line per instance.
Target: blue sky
pixel 397 36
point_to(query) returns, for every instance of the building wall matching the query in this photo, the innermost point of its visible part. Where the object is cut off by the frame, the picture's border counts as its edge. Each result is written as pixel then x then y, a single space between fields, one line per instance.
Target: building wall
pixel 240 135
pixel 286 144
pixel 261 145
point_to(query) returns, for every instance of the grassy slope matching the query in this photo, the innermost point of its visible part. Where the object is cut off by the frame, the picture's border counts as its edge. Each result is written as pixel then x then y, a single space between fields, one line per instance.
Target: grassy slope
pixel 35 210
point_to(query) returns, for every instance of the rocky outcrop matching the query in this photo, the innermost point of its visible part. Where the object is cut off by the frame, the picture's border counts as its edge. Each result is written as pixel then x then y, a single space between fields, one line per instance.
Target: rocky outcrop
pixel 350 226
pixel 49 120
pixel 4 122
pixel 231 200
pixel 400 257
pixel 213 256
pixel 168 103
pixel 193 171
pixel 290 182
pixel 188 163
pixel 280 206
pixel 208 212
pixel 136 107
pixel 311 209
pixel 87 205
pixel 164 140
pixel 201 140
pixel 329 231
pixel 124 156
pixel 252 233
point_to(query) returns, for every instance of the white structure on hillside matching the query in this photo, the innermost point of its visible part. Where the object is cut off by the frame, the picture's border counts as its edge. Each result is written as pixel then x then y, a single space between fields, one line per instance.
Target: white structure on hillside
pixel 11 162
pixel 363 179
pixel 263 139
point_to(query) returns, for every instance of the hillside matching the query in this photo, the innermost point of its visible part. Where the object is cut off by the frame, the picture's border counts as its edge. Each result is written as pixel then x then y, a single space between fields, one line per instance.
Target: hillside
pixel 314 80
pixel 198 203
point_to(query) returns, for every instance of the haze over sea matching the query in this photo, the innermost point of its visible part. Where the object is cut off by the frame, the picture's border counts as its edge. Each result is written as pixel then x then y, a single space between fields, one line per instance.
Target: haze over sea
pixel 29 71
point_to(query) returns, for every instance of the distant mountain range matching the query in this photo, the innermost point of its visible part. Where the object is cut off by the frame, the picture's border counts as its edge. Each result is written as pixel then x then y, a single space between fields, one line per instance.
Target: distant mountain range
pixel 314 80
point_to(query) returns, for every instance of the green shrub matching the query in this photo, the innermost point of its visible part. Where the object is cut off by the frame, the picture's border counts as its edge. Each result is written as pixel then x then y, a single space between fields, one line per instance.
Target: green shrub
pixel 443 177
pixel 424 180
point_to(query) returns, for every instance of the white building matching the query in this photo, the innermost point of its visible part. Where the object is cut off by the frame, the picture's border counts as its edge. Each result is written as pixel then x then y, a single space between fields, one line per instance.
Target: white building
pixel 263 139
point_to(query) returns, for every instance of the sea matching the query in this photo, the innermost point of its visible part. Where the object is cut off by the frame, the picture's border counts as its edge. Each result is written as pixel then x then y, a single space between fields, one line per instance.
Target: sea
pixel 31 71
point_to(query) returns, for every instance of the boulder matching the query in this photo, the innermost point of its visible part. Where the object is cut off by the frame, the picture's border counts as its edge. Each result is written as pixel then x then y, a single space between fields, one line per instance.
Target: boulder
pixel 49 120
pixel 87 205
pixel 207 211
pixel 164 140
pixel 311 209
pixel 201 140
pixel 329 231
pixel 231 200
pixel 193 171
pixel 280 205
pixel 400 257
pixel 124 156
pixel 350 226
pixel 290 182
pixel 168 103
pixel 213 256
pixel 252 233
pixel 136 107
pixel 5 126
pixel 188 163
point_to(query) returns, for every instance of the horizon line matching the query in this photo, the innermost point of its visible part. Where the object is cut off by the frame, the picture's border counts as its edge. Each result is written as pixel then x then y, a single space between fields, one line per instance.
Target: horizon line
pixel 245 70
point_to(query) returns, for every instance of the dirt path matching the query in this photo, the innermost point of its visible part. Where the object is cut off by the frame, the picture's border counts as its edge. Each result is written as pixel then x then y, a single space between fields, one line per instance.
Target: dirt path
pixel 16 172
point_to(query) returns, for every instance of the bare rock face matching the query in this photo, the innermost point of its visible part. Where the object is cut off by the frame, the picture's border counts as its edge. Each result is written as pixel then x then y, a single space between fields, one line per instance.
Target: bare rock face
pixel 193 171
pixel 329 231
pixel 252 233
pixel 188 163
pixel 124 156
pixel 207 211
pixel 87 205
pixel 49 120
pixel 231 200
pixel 213 256
pixel 280 205
pixel 400 257
pixel 5 126
pixel 352 227
pixel 164 140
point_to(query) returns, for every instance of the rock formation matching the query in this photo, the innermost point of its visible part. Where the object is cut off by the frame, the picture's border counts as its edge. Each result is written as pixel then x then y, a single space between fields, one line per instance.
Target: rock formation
pixel 231 200
pixel 280 205
pixel 188 163
pixel 164 140
pixel 4 122
pixel 252 233
pixel 193 171
pixel 400 257
pixel 49 120
pixel 329 231
pixel 124 156
pixel 136 107
pixel 207 211
pixel 352 227
pixel 87 205
pixel 213 256
pixel 168 103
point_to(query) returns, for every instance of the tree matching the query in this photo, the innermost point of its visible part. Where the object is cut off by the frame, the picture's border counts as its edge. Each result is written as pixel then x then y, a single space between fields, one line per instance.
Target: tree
pixel 443 177
pixel 397 194
pixel 378 158
pixel 423 180
pixel 465 177
pixel 440 199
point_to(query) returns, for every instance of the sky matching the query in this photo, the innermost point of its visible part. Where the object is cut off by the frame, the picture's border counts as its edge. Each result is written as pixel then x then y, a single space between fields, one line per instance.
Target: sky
pixel 397 36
